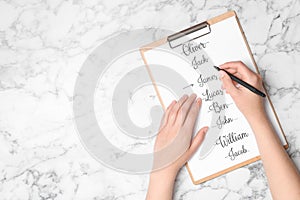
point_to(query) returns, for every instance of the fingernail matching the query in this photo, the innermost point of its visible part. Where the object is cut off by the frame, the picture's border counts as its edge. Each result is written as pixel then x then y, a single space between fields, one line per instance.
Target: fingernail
pixel 194 94
pixel 205 130
pixel 199 100
pixel 222 66
pixel 185 96
pixel 172 103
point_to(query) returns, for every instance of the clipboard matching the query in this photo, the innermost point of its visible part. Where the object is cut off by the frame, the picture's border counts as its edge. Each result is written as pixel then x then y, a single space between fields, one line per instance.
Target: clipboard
pixel 196 32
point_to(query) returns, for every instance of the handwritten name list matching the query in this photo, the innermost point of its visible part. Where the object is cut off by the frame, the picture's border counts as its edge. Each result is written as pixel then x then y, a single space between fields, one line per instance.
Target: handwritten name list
pixel 228 140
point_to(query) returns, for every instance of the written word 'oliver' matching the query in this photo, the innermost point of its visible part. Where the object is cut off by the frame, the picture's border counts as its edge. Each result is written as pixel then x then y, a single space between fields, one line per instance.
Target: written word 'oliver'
pixel 191 47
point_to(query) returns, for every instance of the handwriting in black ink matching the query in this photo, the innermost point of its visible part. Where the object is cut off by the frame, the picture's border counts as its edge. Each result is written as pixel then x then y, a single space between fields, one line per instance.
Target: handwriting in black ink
pixel 191 47
pixel 230 138
pixel 202 80
pixel 209 95
pixel 222 121
pixel 233 154
pixel 217 108
pixel 196 63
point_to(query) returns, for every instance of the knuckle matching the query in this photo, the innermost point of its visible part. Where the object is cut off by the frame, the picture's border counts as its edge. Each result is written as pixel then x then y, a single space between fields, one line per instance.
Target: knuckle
pixel 240 64
pixel 183 109
pixel 259 77
pixel 175 108
pixel 172 115
pixel 255 78
pixel 193 111
pixel 187 124
pixel 180 112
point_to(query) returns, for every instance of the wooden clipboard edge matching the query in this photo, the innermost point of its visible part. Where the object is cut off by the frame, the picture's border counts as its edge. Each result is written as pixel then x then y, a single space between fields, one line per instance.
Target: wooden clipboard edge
pixel 142 52
pixel 221 17
pixel 153 45
pixel 162 41
pixel 257 70
pixel 247 162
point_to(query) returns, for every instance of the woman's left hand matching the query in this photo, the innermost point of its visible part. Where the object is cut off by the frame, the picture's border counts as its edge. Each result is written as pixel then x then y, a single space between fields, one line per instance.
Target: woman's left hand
pixel 175 135
pixel 174 145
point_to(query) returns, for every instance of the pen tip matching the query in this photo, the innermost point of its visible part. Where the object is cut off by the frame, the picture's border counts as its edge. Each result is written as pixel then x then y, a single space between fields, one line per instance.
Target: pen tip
pixel 217 68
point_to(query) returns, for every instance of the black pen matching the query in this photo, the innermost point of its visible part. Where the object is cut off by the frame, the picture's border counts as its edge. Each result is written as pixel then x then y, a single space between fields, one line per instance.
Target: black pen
pixel 243 83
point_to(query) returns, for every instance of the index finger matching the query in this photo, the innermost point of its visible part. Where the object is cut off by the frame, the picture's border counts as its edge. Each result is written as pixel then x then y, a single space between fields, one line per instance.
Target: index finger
pixel 239 66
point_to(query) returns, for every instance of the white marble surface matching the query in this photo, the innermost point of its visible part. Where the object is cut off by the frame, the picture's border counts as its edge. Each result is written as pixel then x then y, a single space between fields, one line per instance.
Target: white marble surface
pixel 42 47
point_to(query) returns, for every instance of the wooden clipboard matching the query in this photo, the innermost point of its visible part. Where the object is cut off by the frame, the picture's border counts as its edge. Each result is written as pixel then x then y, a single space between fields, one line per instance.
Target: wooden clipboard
pixel 190 30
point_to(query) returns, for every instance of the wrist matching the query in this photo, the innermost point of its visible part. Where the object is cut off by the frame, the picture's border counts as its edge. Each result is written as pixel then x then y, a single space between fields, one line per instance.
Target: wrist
pixel 258 119
pixel 257 115
pixel 161 185
pixel 162 181
pixel 165 174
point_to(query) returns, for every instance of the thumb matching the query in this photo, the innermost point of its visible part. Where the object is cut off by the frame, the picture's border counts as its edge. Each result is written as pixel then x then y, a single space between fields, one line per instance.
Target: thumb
pixel 197 141
pixel 228 84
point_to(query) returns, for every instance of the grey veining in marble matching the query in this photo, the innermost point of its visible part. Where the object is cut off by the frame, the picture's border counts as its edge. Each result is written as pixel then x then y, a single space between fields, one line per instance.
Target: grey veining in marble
pixel 43 44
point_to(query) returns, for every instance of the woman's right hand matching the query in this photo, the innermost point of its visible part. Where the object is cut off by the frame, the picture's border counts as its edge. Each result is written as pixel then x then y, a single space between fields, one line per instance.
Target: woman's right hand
pixel 249 103
pixel 284 177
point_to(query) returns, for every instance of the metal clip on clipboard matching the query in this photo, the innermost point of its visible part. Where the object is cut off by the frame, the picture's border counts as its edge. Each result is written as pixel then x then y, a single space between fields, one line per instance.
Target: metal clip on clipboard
pixel 188 34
